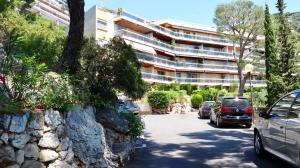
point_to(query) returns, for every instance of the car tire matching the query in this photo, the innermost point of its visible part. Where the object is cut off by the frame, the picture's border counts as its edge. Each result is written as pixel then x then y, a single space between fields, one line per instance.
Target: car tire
pixel 248 125
pixel 218 122
pixel 258 146
pixel 210 120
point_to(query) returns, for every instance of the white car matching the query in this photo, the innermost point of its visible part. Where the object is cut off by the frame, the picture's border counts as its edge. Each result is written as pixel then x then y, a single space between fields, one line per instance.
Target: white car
pixel 278 130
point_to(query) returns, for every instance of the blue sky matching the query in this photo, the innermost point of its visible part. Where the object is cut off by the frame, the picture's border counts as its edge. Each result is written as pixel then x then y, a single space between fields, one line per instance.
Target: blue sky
pixel 197 11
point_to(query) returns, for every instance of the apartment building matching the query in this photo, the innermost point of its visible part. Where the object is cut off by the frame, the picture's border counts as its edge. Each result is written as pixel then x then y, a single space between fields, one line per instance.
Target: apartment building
pixel 171 51
pixel 54 10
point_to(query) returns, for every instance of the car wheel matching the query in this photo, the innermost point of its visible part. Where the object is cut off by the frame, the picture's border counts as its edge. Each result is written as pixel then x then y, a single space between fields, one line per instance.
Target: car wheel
pixel 219 122
pixel 210 119
pixel 248 125
pixel 258 146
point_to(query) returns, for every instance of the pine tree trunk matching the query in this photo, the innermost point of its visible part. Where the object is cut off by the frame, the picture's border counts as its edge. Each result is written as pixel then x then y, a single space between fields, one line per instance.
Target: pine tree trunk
pixel 69 61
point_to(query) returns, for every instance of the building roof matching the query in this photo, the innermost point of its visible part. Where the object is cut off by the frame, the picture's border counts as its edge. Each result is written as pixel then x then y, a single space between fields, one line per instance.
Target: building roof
pixel 186 25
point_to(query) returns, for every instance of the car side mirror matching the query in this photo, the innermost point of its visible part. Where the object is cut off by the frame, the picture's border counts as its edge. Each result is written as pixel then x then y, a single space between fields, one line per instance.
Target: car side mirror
pixel 263 115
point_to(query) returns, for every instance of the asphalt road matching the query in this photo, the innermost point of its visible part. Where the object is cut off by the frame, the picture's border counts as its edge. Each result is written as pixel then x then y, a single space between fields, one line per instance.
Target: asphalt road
pixel 184 141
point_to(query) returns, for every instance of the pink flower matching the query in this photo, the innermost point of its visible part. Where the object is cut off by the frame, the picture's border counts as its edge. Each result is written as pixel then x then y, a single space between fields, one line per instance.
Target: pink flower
pixel 2 79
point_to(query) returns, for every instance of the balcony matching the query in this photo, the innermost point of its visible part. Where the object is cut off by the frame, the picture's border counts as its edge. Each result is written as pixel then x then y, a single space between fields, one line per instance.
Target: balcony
pixel 172 49
pixel 173 34
pixel 151 77
pixel 183 65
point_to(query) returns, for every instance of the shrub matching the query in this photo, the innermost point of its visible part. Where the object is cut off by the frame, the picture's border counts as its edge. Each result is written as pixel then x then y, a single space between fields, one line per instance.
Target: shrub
pixel 104 70
pixel 158 99
pixel 136 124
pixel 57 92
pixel 196 100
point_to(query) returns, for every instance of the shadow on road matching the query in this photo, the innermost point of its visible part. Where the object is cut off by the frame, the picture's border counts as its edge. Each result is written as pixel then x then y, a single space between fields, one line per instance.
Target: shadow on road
pixel 210 148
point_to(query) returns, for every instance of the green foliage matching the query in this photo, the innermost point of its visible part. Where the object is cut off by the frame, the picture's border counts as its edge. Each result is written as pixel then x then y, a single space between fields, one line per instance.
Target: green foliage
pixel 31 45
pixel 196 100
pixel 233 87
pixel 272 60
pixel 287 50
pixel 107 69
pixel 136 124
pixel 189 88
pixel 158 99
pixel 240 21
pixel 177 96
pixel 9 106
pixel 57 92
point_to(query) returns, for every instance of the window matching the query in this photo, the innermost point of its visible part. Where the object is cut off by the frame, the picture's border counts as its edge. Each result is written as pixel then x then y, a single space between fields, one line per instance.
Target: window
pixel 295 110
pixel 192 75
pixel 160 72
pixel 101 24
pixel 178 74
pixel 281 108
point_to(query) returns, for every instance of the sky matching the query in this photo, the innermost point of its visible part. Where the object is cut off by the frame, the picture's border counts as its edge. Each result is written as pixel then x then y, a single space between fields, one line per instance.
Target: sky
pixel 195 11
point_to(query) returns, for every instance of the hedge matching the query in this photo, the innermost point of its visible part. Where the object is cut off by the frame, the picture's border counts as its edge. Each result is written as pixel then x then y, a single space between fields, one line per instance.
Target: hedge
pixel 158 99
pixel 196 100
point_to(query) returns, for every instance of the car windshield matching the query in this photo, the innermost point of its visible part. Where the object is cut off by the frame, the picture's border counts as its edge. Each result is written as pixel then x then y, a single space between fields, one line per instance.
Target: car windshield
pixel 241 103
pixel 130 104
pixel 208 104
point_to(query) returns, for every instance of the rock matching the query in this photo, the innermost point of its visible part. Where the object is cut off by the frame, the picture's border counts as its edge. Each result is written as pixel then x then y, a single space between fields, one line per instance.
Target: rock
pixel 47 155
pixel 64 144
pixel 18 123
pixel 37 121
pixel 49 140
pixel 36 133
pixel 20 156
pixel 31 151
pixel 59 164
pixel 111 119
pixel 4 121
pixel 87 137
pixel 7 153
pixel 70 156
pixel 60 131
pixel 46 129
pixel 4 138
pixel 33 164
pixel 20 140
pixel 52 118
pixel 63 154
pixel 13 166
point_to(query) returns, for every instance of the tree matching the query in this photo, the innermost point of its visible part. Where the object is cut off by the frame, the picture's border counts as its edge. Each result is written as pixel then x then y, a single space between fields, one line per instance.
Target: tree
pixel 107 69
pixel 241 22
pixel 70 57
pixel 287 49
pixel 273 76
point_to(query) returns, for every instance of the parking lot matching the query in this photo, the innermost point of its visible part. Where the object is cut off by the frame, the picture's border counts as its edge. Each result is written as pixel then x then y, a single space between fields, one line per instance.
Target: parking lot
pixel 185 141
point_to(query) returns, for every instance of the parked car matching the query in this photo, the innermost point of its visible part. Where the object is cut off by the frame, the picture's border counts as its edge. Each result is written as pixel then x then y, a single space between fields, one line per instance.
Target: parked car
pixel 128 106
pixel 231 110
pixel 278 129
pixel 204 110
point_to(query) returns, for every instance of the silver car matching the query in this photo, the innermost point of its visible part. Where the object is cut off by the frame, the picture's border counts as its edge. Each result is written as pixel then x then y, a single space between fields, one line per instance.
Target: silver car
pixel 278 129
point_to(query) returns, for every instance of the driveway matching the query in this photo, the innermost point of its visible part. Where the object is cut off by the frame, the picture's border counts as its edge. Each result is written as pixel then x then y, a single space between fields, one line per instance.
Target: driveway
pixel 184 141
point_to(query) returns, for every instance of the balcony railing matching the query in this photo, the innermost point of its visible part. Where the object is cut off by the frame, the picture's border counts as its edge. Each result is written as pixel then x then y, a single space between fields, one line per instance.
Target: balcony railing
pixel 170 48
pixel 163 78
pixel 173 33
pixel 175 64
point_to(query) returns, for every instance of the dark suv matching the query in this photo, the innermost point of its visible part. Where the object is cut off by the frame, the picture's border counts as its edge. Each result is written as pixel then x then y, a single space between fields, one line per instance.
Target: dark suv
pixel 204 110
pixel 232 110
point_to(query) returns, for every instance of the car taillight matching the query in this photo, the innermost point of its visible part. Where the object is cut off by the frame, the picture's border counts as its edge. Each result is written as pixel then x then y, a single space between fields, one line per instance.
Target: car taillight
pixel 248 110
pixel 225 110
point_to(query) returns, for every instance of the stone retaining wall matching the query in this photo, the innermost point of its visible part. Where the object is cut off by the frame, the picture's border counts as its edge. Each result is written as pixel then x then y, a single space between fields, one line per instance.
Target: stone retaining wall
pixel 55 140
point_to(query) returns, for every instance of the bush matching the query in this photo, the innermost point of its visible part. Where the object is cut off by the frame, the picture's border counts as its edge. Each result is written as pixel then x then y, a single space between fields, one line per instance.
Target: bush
pixel 136 124
pixel 57 92
pixel 158 99
pixel 196 100
pixel 189 88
